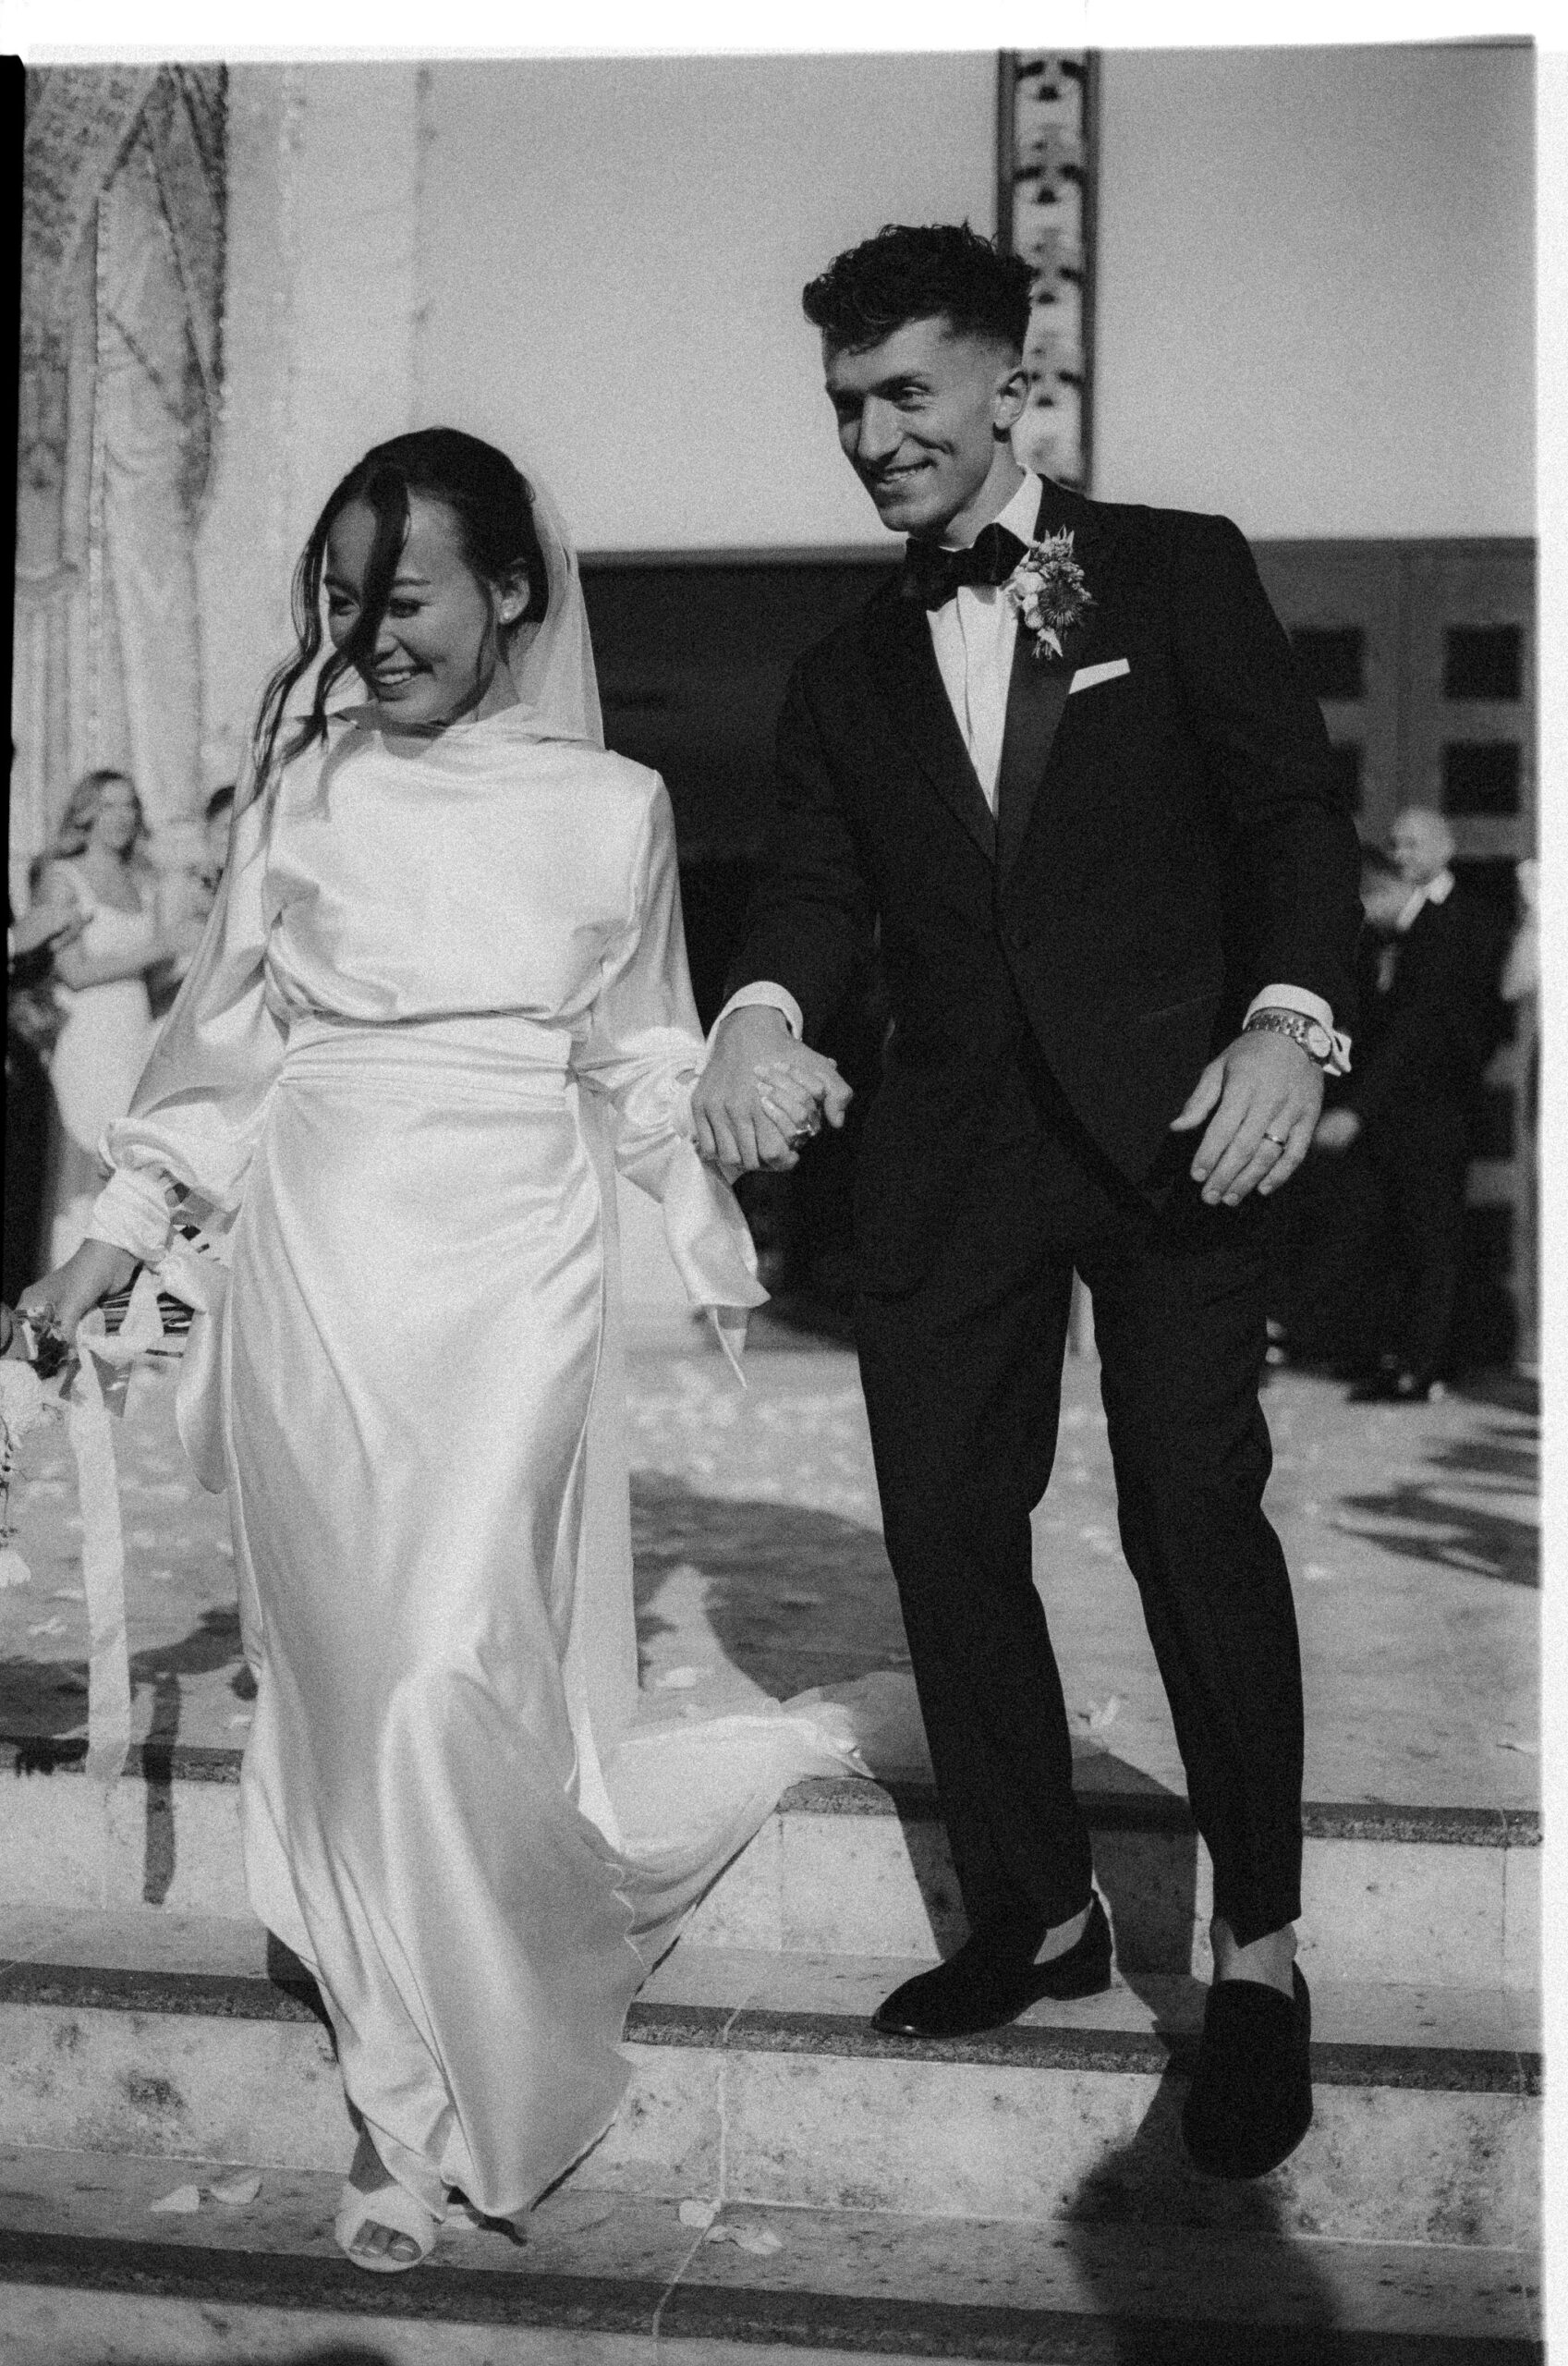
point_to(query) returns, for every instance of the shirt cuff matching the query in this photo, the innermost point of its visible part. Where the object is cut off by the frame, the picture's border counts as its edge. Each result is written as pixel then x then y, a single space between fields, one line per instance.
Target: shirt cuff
pixel 1310 1005
pixel 763 996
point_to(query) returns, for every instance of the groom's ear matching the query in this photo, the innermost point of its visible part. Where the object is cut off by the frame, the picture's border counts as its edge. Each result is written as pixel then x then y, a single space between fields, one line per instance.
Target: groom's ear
pixel 1011 396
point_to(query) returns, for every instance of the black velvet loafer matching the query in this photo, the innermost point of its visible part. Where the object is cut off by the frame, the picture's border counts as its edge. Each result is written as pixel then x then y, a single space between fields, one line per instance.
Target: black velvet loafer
pixel 1251 2101
pixel 991 1980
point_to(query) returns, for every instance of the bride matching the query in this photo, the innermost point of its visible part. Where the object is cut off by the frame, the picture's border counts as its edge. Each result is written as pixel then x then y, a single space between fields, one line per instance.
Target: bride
pixel 443 994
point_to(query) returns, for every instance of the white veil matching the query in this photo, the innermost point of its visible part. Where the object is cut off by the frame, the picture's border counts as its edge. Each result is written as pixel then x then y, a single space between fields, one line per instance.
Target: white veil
pixel 553 666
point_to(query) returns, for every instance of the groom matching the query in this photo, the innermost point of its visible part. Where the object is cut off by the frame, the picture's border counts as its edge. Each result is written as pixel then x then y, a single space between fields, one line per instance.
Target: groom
pixel 1064 764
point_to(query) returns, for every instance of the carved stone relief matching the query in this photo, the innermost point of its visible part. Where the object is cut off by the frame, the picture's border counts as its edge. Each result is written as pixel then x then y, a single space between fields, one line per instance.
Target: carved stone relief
pixel 121 360
pixel 1045 212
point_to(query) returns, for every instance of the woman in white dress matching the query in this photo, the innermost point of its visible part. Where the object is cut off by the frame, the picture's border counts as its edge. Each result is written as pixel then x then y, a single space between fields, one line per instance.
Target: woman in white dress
pixel 444 992
pixel 107 1027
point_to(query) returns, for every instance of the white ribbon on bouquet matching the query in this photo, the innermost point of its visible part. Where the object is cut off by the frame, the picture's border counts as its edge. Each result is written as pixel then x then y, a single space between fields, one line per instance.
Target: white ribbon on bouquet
pixel 97 1392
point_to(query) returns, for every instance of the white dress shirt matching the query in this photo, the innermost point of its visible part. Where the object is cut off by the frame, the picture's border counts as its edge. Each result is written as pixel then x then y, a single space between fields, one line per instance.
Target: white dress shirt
pixel 1436 891
pixel 973 636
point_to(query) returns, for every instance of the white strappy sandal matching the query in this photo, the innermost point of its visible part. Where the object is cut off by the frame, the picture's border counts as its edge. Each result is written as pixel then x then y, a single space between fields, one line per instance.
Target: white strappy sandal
pixel 390 2205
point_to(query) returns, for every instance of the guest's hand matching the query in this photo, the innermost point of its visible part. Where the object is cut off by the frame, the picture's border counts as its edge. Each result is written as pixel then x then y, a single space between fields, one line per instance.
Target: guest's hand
pixel 761 1092
pixel 1336 1129
pixel 54 924
pixel 1261 1097
pixel 73 1288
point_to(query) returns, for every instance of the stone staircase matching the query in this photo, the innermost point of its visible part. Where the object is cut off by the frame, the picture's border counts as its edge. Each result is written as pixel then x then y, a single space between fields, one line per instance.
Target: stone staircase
pixel 781 2180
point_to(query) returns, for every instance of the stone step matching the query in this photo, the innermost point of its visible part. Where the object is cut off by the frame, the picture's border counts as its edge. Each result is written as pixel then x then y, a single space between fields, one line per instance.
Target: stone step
pixel 1428 1896
pixel 756 2078
pixel 95 2278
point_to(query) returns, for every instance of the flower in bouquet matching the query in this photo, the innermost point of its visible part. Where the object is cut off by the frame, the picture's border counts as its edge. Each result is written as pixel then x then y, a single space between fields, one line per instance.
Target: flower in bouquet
pixel 22 1403
pixel 1047 586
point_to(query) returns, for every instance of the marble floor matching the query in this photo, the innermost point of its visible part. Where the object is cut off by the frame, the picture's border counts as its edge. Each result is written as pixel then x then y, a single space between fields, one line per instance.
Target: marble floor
pixel 1412 1535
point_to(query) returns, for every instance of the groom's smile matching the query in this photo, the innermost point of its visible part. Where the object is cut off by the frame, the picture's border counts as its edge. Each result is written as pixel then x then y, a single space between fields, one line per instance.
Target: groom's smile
pixel 923 419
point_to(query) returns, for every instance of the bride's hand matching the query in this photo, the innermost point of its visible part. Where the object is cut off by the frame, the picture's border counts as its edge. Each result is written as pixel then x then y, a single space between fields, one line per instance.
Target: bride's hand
pixel 73 1288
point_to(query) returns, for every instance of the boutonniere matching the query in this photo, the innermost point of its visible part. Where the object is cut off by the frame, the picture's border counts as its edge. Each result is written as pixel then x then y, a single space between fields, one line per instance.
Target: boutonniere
pixel 1047 588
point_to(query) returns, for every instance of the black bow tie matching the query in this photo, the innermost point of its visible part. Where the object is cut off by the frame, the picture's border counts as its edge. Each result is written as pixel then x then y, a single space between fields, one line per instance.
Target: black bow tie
pixel 933 574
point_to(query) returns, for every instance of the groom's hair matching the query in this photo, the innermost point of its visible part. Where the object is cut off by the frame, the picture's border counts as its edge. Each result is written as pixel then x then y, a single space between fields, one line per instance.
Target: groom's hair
pixel 945 271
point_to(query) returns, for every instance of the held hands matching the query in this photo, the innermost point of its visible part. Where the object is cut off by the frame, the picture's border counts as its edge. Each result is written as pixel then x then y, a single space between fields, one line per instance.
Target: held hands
pixel 762 1094
pixel 1261 1097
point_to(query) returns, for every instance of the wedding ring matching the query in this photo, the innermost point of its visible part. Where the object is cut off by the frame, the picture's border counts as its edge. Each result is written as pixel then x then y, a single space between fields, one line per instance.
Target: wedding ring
pixel 1278 1140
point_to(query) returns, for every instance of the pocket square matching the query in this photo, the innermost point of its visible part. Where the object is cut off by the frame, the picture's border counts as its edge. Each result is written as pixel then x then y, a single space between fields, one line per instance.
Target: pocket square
pixel 1087 676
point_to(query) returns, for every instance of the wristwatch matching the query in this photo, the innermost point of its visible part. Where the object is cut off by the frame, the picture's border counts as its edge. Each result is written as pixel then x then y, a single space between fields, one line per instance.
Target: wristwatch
pixel 1310 1033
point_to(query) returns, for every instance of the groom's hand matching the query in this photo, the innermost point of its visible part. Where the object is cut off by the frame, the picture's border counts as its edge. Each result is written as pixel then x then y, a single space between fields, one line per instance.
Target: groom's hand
pixel 1261 1098
pixel 759 1089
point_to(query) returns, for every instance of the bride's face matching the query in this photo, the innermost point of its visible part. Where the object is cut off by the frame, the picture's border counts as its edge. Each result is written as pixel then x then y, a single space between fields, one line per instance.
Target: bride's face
pixel 437 655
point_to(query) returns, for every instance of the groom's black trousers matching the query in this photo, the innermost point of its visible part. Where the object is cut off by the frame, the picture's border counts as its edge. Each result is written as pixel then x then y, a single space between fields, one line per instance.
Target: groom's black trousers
pixel 963 1379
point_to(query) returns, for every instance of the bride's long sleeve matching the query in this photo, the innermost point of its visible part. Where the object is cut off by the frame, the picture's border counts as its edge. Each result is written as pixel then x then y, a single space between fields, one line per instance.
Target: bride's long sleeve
pixel 196 1114
pixel 643 1049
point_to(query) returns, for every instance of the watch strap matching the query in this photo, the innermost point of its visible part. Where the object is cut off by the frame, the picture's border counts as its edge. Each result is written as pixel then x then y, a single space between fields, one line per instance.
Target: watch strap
pixel 1313 1037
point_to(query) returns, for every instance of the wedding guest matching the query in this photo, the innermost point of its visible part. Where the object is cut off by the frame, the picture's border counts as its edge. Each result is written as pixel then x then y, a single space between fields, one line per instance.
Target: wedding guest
pixel 1520 982
pixel 1520 988
pixel 216 822
pixel 442 995
pixel 187 893
pixel 98 863
pixel 1329 1261
pixel 32 943
pixel 1403 1129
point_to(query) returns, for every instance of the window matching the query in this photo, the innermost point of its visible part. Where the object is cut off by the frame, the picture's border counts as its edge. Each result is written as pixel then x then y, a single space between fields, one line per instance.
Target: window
pixel 1483 662
pixel 1480 776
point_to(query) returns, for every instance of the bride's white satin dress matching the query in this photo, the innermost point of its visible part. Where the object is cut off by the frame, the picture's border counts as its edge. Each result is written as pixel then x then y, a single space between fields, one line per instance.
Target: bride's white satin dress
pixel 444 992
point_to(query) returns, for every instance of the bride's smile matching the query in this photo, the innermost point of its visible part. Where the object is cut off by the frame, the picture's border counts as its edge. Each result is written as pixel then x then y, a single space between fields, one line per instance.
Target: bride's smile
pixel 434 653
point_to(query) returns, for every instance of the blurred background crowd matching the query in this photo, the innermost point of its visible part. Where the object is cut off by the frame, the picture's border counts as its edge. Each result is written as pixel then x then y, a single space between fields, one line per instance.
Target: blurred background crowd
pixel 91 965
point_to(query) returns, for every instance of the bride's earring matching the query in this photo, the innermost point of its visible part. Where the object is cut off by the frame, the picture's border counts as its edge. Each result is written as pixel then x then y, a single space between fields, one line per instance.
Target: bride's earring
pixel 511 606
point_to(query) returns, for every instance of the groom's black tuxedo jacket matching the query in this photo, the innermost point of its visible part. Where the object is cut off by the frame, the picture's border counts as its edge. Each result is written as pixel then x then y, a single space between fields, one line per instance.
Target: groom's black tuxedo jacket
pixel 1170 839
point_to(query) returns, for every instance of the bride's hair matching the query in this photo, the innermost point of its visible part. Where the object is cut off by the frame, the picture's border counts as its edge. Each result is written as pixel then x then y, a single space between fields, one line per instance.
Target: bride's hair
pixel 492 503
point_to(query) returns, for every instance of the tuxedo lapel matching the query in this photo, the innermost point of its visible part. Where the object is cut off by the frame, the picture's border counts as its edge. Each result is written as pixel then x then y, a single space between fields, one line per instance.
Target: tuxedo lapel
pixel 1036 693
pixel 1038 687
pixel 903 667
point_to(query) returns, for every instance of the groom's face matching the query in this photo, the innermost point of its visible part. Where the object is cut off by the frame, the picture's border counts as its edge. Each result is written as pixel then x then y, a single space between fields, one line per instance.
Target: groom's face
pixel 922 417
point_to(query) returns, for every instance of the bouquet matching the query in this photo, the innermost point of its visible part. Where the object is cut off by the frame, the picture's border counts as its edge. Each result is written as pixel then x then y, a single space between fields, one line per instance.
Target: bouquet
pixel 32 1352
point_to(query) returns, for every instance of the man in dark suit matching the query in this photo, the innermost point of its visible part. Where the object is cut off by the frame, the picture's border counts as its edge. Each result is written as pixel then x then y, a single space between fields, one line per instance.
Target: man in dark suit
pixel 1404 1127
pixel 1065 766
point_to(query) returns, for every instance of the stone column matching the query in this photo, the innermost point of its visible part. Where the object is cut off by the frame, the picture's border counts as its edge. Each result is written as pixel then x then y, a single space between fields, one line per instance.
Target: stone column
pixel 320 333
